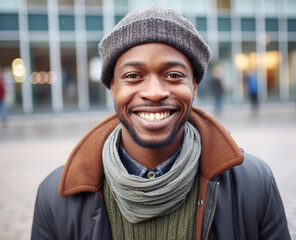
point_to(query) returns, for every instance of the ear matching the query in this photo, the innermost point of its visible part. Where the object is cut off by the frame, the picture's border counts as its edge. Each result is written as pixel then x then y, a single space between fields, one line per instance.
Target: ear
pixel 112 87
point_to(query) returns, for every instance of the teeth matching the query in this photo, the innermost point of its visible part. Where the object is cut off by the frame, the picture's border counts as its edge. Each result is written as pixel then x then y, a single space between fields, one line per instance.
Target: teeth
pixel 153 117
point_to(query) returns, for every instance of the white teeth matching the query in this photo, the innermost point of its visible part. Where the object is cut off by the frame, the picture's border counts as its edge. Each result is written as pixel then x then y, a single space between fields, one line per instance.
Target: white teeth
pixel 153 117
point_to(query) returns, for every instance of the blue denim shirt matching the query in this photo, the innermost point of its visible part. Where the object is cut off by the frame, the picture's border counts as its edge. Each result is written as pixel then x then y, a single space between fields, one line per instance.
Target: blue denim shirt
pixel 135 168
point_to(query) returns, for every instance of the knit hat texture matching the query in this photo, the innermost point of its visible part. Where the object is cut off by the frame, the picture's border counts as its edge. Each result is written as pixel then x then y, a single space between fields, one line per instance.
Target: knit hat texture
pixel 154 24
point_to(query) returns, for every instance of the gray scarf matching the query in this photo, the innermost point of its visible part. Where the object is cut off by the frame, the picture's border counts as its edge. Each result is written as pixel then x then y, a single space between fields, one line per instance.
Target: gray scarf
pixel 140 199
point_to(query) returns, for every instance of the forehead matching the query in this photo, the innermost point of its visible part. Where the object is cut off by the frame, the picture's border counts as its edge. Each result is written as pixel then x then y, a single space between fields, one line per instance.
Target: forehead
pixel 155 52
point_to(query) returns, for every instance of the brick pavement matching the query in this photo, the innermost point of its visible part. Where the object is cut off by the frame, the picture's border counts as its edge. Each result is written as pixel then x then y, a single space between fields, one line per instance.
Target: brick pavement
pixel 30 149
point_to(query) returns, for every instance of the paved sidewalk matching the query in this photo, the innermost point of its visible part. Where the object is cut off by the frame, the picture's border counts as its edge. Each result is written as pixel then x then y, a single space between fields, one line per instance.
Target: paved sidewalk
pixel 31 147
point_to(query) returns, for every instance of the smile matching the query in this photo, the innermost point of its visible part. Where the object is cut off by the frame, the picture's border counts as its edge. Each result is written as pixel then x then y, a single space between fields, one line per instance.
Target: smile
pixel 154 116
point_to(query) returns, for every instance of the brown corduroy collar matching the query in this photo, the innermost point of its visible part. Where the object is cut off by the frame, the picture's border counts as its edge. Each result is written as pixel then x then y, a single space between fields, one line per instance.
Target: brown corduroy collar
pixel 83 171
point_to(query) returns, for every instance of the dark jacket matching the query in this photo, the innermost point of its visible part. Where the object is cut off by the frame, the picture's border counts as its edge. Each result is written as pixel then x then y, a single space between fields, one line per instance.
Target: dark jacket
pixel 237 199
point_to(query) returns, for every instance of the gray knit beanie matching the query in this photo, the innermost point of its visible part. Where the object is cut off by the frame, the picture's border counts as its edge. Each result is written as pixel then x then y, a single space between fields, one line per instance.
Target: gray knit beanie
pixel 155 24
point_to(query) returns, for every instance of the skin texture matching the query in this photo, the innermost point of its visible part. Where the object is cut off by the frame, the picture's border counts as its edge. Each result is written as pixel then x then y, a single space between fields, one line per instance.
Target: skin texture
pixel 153 89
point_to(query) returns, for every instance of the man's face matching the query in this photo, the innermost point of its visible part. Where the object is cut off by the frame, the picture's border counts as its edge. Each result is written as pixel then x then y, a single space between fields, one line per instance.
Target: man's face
pixel 153 89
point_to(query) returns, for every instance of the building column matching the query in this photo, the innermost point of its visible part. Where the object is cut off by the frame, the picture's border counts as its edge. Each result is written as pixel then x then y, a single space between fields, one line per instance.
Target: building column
pixel 27 97
pixel 108 24
pixel 283 49
pixel 236 43
pixel 212 32
pixel 261 49
pixel 81 55
pixel 55 55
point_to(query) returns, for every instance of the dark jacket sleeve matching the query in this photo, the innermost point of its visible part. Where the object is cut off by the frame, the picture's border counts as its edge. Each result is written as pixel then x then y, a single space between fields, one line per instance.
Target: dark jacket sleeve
pixel 41 228
pixel 76 217
pixel 42 225
pixel 249 205
pixel 273 224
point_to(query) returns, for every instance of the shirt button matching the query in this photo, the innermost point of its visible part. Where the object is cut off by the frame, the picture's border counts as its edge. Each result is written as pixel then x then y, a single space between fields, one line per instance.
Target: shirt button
pixel 151 174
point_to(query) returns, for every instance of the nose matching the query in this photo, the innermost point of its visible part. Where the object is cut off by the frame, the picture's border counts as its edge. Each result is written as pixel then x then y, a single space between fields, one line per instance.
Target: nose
pixel 154 90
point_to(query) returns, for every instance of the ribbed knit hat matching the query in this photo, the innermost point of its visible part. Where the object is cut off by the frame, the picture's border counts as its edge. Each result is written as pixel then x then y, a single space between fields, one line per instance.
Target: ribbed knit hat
pixel 154 24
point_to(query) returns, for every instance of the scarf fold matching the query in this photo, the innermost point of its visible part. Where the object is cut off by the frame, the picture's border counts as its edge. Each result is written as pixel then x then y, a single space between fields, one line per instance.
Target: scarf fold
pixel 140 199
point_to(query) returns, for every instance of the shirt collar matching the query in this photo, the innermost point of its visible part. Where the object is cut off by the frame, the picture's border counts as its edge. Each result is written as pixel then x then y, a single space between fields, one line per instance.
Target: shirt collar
pixel 135 168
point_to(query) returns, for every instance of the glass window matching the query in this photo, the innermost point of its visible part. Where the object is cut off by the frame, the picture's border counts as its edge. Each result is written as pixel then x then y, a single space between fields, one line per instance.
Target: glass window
pixel 136 4
pixel 94 23
pixel 9 4
pixel 40 71
pixel 224 24
pixel 247 63
pixel 69 75
pixel 177 5
pixel 37 2
pixel 226 65
pixel 9 22
pixel 292 69
pixel 248 24
pixel 118 18
pixel 292 25
pixel 248 47
pixel 271 25
pixel 223 4
pixel 290 7
pixel 201 23
pixel 271 7
pixel 38 22
pixel 97 92
pixel 245 7
pixel 66 23
pixel 66 2
pixel 197 7
pixel 93 3
pixel 13 90
pixel 272 61
pixel 121 5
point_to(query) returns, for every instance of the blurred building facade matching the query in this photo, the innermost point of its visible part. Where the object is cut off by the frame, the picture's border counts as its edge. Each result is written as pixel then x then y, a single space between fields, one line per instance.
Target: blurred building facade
pixel 49 56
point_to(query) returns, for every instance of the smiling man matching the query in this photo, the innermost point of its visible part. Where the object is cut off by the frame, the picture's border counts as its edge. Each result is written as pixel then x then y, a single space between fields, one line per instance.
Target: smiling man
pixel 159 168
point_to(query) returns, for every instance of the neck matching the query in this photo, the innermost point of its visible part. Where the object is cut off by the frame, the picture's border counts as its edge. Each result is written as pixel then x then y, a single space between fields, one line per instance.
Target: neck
pixel 149 157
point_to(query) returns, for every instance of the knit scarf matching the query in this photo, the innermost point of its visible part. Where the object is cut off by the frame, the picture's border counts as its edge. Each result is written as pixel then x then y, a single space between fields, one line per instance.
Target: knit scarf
pixel 140 199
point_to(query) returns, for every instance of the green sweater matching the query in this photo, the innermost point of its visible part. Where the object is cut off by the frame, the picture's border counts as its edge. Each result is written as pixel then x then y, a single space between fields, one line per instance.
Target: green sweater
pixel 179 224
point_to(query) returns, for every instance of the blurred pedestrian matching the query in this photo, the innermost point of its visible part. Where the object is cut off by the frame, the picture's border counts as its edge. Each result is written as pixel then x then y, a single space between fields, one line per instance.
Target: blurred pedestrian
pixel 217 88
pixel 3 111
pixel 160 168
pixel 252 85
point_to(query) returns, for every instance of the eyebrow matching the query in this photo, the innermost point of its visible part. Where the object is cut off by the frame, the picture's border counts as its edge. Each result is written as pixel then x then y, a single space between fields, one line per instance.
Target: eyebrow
pixel 128 64
pixel 176 63
pixel 170 63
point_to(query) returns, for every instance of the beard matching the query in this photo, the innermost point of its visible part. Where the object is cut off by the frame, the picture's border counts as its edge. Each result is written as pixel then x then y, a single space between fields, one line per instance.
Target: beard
pixel 152 144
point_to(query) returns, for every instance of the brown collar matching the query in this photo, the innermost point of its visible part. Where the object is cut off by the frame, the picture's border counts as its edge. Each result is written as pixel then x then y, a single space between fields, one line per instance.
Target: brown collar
pixel 83 171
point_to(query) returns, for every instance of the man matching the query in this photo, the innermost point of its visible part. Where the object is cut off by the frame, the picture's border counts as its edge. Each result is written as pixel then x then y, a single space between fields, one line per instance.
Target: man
pixel 2 99
pixel 158 169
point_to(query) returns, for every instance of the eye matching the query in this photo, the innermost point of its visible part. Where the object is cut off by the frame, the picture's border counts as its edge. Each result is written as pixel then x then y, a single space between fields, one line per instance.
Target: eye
pixel 132 76
pixel 174 76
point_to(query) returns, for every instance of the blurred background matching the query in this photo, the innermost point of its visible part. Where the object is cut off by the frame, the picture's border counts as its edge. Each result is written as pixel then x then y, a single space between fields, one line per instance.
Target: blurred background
pixel 50 94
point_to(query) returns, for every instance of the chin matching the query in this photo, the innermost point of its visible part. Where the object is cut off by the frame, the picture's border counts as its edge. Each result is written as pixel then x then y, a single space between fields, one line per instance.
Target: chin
pixel 154 144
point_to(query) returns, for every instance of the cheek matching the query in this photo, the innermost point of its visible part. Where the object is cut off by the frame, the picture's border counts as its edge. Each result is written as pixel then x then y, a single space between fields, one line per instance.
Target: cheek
pixel 186 95
pixel 122 97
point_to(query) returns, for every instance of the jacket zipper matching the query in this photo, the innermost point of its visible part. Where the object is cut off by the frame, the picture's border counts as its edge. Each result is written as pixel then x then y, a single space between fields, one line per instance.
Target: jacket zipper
pixel 214 209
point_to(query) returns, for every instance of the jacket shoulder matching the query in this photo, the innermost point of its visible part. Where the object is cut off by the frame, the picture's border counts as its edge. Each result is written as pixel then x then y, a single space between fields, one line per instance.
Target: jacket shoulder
pixel 54 215
pixel 51 182
pixel 249 191
pixel 50 200
pixel 253 180
pixel 254 169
